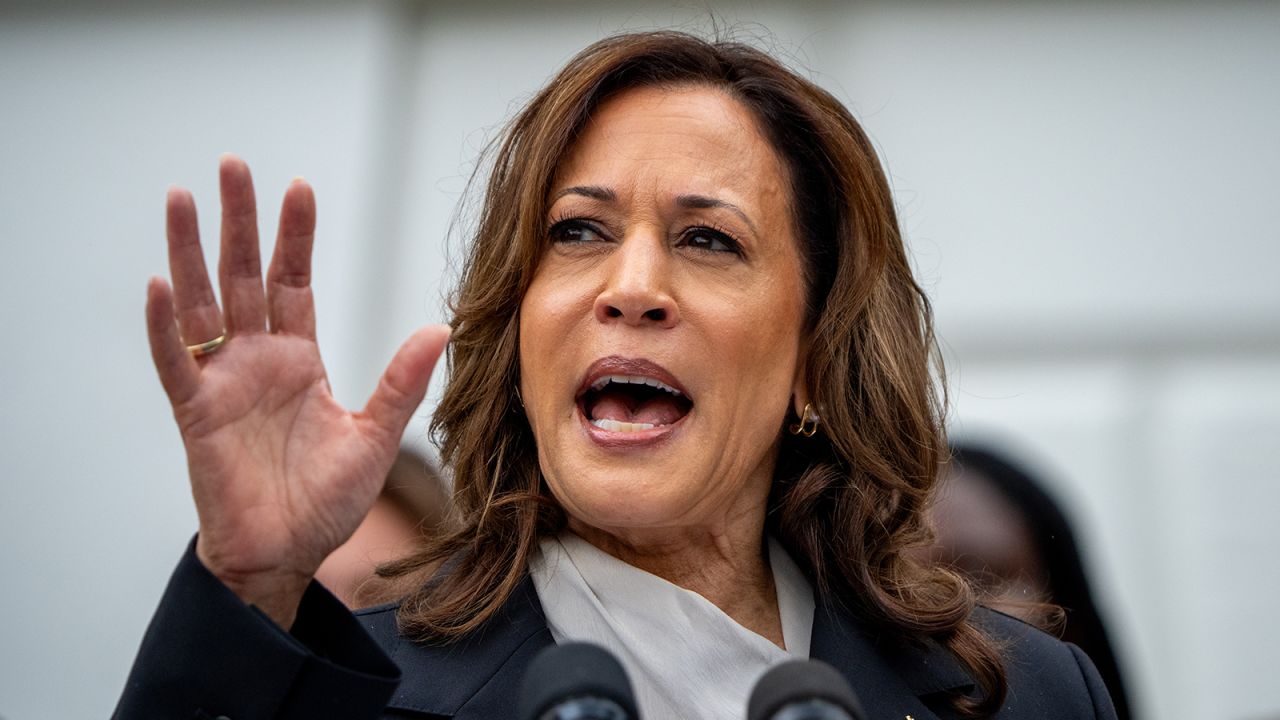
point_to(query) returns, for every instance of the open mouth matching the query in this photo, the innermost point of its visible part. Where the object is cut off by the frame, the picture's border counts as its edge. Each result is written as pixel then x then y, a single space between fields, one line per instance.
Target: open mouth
pixel 632 403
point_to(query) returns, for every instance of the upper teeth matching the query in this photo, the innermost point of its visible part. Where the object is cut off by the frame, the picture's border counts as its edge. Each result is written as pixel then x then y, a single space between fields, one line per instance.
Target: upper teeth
pixel 633 380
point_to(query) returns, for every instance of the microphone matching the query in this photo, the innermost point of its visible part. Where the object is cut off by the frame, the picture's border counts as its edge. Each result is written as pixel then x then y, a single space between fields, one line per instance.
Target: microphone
pixel 576 681
pixel 803 690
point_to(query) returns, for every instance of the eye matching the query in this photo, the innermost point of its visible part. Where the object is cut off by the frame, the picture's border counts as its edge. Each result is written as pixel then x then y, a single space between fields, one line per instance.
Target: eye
pixel 575 230
pixel 710 240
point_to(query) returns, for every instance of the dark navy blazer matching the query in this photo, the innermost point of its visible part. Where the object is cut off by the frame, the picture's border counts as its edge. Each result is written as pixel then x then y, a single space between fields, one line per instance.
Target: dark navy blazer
pixel 207 655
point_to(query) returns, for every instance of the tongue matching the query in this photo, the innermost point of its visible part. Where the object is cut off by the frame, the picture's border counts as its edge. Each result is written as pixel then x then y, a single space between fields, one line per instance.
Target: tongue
pixel 657 410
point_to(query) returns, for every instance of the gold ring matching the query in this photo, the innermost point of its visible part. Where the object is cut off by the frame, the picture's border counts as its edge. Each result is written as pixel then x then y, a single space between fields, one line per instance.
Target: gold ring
pixel 207 348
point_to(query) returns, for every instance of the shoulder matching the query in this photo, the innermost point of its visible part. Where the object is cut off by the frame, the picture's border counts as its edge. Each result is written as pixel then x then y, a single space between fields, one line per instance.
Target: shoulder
pixel 1047 677
pixel 380 622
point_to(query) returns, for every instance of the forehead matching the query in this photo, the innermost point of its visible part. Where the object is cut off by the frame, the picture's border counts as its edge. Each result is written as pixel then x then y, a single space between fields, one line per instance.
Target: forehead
pixel 682 139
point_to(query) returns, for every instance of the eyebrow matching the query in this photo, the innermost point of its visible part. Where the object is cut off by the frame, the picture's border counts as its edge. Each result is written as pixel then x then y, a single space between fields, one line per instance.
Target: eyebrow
pixel 691 202
pixel 702 202
pixel 595 192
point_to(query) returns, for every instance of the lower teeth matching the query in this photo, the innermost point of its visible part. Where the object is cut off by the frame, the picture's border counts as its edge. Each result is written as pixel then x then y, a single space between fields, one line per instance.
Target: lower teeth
pixel 616 426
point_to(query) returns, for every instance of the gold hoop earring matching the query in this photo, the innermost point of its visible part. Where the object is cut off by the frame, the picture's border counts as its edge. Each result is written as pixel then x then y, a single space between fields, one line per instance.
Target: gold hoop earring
pixel 808 425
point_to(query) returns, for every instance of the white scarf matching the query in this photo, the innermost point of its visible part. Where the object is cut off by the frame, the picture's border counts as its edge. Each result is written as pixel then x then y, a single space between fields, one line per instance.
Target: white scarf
pixel 685 657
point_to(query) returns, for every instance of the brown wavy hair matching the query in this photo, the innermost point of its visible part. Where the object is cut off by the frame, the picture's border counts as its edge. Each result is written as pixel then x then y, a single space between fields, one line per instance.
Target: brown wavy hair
pixel 846 503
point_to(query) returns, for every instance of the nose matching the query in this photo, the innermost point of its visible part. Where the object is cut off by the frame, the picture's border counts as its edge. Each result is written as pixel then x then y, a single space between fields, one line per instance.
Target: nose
pixel 638 288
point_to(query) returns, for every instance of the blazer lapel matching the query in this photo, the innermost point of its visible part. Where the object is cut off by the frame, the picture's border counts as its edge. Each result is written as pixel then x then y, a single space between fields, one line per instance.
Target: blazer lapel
pixel 890 677
pixel 478 677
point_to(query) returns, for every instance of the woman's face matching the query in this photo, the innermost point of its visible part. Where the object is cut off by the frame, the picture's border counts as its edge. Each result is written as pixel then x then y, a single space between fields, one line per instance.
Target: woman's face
pixel 660 337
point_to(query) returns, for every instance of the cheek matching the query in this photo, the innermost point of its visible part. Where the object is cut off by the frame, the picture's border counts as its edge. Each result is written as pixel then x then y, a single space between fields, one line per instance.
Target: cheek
pixel 533 352
pixel 761 336
pixel 559 294
pixel 757 345
pixel 551 309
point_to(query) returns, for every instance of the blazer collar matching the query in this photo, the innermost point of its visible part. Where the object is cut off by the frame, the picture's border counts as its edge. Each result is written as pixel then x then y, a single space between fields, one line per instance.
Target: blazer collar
pixel 891 676
pixel 482 672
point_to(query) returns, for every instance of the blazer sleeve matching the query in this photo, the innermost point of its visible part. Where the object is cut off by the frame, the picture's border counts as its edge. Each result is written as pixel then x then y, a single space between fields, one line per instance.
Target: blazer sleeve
pixel 206 655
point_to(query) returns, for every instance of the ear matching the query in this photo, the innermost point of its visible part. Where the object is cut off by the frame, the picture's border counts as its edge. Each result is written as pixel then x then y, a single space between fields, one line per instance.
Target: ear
pixel 800 395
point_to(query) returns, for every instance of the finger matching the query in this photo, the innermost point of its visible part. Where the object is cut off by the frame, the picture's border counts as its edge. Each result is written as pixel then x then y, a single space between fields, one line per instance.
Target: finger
pixel 178 371
pixel 239 265
pixel 290 306
pixel 404 383
pixel 193 299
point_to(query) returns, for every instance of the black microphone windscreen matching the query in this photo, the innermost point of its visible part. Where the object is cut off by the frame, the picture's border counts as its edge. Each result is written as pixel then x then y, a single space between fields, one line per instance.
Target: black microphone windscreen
pixel 803 690
pixel 573 671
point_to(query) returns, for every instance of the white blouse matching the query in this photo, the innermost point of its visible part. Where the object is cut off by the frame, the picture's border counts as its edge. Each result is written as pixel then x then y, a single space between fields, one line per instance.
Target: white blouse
pixel 685 657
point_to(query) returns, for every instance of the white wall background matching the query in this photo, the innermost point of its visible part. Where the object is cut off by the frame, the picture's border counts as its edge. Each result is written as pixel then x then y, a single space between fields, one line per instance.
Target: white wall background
pixel 1089 191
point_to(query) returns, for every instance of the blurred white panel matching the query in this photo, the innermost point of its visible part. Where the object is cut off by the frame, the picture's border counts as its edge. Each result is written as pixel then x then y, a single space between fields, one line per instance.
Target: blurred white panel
pixel 1067 170
pixel 1216 426
pixel 102 111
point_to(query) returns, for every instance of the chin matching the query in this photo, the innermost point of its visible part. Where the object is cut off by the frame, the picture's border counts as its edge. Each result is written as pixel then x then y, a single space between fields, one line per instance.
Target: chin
pixel 624 498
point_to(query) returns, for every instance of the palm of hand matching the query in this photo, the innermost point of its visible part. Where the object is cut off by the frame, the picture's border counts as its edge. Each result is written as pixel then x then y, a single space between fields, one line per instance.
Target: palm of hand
pixel 306 471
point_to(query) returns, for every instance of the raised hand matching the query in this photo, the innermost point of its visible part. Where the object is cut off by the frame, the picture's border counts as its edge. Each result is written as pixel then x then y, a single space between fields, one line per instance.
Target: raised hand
pixel 281 473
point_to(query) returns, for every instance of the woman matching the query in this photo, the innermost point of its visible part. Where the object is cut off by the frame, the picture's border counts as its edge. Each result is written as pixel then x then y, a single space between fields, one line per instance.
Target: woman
pixel 689 416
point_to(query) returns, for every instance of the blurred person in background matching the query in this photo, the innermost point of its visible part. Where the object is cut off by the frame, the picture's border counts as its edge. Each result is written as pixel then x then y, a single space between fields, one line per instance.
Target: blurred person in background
pixel 999 527
pixel 410 509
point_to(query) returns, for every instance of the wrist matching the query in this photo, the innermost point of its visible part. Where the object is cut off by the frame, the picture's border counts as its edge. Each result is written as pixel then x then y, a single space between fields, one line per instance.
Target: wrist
pixel 276 592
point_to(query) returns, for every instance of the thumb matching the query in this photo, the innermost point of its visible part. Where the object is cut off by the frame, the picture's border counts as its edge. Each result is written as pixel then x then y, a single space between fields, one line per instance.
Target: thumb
pixel 404 383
